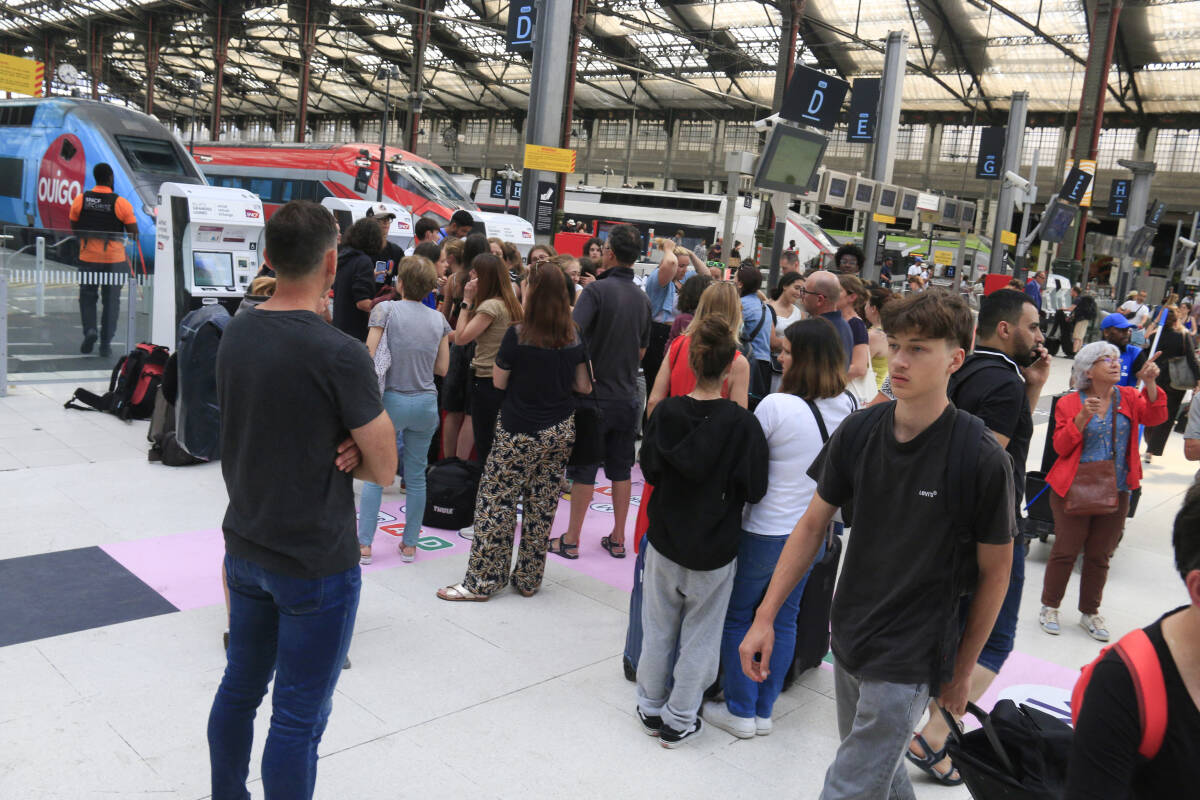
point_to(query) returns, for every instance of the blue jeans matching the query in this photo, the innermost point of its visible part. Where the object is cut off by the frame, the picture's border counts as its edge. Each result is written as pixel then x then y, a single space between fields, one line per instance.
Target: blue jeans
pixel 415 417
pixel 1004 633
pixel 756 560
pixel 299 629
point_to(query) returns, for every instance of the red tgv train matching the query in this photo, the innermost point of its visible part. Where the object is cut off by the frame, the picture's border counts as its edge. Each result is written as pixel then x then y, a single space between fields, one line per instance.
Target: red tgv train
pixel 279 173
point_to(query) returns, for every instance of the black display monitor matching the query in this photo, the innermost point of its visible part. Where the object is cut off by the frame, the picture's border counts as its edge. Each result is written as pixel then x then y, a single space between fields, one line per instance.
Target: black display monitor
pixel 212 269
pixel 864 192
pixel 1056 221
pixel 908 204
pixel 949 213
pixel 838 187
pixel 789 160
pixel 887 198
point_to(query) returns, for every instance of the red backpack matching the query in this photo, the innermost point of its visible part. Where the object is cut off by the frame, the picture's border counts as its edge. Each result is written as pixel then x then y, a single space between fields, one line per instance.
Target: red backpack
pixel 1141 659
pixel 132 387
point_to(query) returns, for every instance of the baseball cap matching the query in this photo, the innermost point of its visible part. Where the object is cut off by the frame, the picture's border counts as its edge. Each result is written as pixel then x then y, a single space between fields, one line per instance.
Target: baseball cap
pixel 1115 320
pixel 380 210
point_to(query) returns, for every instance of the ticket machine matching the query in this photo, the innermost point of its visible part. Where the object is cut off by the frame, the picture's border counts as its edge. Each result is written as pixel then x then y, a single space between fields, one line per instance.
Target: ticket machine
pixel 508 227
pixel 347 212
pixel 208 249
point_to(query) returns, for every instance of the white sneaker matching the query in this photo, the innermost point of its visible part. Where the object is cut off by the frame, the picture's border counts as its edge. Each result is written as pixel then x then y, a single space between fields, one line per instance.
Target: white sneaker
pixel 468 532
pixel 1048 617
pixel 1094 625
pixel 763 726
pixel 718 715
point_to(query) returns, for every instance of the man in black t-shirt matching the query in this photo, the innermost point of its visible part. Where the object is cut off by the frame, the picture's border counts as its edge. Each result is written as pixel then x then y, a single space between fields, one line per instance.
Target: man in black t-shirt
pixel 300 415
pixel 895 618
pixel 1000 383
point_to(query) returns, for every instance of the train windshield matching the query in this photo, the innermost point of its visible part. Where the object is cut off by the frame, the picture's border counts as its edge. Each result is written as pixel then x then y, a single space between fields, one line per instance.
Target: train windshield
pixel 154 156
pixel 429 181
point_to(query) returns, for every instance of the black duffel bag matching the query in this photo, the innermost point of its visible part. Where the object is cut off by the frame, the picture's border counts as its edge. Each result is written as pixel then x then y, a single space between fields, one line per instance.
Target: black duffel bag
pixel 450 488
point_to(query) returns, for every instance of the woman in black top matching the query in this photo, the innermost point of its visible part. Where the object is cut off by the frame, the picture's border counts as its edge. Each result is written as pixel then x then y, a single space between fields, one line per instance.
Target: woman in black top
pixel 1175 343
pixel 354 286
pixel 541 362
pixel 1105 764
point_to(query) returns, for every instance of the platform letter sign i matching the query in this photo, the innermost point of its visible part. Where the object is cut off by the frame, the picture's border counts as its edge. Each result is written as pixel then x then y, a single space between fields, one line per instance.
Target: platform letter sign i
pixel 864 102
pixel 991 153
pixel 813 98
pixel 1118 199
pixel 520 26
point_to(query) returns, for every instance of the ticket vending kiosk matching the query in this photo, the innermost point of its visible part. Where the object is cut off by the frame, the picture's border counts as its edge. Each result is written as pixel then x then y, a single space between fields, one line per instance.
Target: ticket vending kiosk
pixel 208 249
pixel 348 212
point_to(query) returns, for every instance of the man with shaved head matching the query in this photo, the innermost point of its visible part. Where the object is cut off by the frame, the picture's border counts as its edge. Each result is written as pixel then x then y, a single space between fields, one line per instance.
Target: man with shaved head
pixel 821 293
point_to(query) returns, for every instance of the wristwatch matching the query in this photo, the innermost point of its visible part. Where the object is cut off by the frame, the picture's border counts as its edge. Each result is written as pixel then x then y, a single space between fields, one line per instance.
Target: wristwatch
pixel 464 305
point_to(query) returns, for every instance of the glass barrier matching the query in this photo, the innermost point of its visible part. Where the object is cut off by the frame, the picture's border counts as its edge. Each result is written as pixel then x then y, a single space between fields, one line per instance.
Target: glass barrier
pixel 74 302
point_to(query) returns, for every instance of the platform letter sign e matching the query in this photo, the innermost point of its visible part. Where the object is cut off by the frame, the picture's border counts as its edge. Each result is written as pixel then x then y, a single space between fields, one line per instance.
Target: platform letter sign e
pixel 520 26
pixel 864 102
pixel 813 98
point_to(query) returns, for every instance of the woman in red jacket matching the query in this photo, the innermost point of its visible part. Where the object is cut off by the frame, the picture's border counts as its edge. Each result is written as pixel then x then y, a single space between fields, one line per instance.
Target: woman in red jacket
pixel 1083 433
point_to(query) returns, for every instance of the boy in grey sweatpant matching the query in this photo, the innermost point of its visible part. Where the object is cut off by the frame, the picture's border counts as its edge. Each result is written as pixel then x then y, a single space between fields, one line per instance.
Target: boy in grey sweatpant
pixel 706 457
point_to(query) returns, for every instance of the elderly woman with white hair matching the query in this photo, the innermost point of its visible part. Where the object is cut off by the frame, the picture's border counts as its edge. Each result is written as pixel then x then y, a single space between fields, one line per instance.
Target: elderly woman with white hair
pixel 1096 438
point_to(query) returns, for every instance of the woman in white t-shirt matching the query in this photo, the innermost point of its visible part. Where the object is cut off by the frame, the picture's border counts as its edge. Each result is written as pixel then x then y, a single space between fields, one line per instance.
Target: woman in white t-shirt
pixel 813 388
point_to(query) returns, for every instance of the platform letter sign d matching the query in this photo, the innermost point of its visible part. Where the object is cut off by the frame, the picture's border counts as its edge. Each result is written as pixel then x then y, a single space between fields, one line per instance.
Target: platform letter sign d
pixel 520 26
pixel 813 98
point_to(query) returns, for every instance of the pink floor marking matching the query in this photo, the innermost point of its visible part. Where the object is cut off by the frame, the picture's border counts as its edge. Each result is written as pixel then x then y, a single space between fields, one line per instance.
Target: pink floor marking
pixel 186 568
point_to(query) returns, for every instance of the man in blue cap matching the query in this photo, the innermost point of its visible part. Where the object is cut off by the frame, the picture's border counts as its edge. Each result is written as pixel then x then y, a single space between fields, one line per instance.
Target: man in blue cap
pixel 1116 330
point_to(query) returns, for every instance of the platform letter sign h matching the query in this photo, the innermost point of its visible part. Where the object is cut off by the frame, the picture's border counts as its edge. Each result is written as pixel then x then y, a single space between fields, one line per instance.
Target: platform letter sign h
pixel 813 98
pixel 1118 199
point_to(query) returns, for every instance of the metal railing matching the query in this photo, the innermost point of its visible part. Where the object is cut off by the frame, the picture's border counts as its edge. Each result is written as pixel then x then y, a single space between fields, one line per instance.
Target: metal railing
pixel 44 286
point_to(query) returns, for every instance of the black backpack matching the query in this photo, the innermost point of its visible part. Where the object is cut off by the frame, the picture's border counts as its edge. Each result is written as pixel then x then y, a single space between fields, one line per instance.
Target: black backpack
pixel 132 387
pixel 450 487
pixel 198 410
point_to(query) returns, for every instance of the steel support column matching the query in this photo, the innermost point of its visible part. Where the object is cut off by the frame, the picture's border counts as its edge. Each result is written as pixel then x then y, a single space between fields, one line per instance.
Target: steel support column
pixel 95 59
pixel 308 43
pixel 793 12
pixel 417 77
pixel 1014 140
pixel 51 66
pixel 578 20
pixel 1135 217
pixel 1102 40
pixel 152 55
pixel 220 54
pixel 895 60
pixel 547 90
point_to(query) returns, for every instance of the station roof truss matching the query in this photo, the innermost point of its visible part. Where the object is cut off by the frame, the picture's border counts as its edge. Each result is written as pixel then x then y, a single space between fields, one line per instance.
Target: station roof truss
pixel 664 57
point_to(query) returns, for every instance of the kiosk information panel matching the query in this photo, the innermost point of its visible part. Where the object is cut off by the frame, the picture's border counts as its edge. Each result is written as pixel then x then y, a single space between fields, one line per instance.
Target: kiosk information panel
pixel 908 203
pixel 212 269
pixel 888 200
pixel 835 189
pixel 789 160
pixel 862 194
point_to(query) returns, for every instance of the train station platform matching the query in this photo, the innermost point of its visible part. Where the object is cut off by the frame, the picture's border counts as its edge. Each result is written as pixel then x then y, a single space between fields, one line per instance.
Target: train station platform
pixel 111 618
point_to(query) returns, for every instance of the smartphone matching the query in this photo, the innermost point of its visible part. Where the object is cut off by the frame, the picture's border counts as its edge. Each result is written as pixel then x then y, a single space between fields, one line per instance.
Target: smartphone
pixel 381 268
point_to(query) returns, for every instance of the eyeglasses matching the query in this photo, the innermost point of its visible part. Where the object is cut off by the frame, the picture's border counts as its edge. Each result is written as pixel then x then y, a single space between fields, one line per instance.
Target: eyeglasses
pixel 810 291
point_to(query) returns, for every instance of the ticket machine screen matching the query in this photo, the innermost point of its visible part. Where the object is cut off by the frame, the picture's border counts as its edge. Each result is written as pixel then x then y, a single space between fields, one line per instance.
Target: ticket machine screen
pixel 212 269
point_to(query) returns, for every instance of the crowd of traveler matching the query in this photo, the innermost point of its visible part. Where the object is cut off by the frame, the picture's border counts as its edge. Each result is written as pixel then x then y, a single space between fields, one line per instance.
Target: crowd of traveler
pixel 772 426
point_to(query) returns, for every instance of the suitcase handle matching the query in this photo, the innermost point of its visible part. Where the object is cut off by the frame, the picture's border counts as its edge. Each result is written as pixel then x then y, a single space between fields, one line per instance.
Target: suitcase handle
pixel 985 722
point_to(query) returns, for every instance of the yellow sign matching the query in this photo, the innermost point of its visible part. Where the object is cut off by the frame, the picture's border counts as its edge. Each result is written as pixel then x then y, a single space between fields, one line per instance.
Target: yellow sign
pixel 1088 165
pixel 22 75
pixel 1009 238
pixel 943 257
pixel 885 219
pixel 550 159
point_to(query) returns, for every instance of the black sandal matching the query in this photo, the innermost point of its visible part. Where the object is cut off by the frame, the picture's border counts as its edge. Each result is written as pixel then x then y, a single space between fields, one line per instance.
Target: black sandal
pixel 612 547
pixel 563 548
pixel 926 763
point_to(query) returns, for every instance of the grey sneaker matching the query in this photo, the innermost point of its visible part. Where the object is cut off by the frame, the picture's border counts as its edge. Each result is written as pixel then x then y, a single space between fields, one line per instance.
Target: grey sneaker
pixel 1048 617
pixel 718 715
pixel 1094 625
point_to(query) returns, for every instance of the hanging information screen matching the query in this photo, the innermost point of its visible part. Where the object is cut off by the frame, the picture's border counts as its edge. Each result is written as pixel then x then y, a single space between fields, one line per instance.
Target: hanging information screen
pixel 864 104
pixel 1118 199
pixel 520 27
pixel 991 153
pixel 789 160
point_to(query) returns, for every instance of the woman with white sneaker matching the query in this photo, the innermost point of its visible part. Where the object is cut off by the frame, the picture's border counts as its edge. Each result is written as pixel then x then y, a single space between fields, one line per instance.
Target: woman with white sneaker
pixel 1096 439
pixel 811 403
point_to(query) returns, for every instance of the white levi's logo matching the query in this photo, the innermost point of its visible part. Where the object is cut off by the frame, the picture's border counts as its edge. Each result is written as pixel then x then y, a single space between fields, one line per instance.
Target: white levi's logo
pixel 927 492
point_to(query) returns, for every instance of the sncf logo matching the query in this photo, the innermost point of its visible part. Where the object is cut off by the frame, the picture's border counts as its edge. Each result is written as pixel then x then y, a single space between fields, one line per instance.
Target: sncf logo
pixel 251 213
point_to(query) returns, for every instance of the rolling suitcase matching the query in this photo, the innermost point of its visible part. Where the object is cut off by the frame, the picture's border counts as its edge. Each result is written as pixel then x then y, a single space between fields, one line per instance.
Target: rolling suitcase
pixel 812 622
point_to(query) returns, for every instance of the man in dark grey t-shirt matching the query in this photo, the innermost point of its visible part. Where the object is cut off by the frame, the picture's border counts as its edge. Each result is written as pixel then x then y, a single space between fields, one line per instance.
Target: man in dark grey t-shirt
pixel 300 414
pixel 895 621
pixel 614 316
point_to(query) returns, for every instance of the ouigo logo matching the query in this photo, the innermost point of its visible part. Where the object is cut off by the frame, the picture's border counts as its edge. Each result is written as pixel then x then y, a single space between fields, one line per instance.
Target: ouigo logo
pixel 60 180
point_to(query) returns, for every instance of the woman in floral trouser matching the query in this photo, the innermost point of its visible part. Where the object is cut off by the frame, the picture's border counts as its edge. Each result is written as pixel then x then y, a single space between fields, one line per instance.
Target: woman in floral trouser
pixel 540 364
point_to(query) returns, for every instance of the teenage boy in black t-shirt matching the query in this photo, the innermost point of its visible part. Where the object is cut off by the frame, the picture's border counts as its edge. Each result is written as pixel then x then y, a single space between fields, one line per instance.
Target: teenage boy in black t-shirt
pixel 896 612
pixel 300 414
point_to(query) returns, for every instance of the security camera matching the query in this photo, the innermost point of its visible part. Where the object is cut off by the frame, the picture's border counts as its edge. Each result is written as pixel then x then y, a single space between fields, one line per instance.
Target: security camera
pixel 768 123
pixel 1186 242
pixel 1016 180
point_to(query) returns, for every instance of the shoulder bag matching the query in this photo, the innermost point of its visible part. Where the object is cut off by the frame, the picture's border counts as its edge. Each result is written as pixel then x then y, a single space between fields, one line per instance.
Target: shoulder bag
pixel 1179 369
pixel 1094 490
pixel 383 356
pixel 589 428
